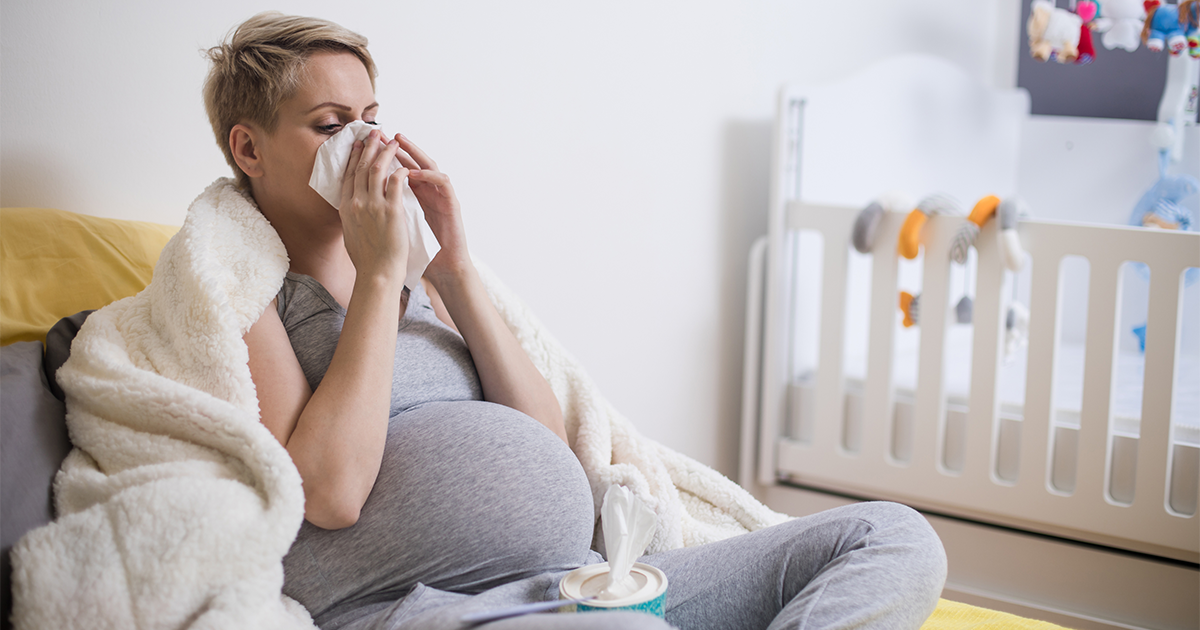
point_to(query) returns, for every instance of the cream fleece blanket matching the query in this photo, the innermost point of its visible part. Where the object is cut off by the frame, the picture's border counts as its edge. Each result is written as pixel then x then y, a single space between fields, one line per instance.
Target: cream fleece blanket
pixel 177 506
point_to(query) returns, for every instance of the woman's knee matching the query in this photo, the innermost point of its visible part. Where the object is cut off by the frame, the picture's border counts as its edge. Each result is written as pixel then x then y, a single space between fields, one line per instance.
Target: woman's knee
pixel 910 534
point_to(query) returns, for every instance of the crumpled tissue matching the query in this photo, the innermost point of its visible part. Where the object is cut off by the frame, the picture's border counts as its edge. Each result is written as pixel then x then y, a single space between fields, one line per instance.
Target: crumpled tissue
pixel 628 527
pixel 326 179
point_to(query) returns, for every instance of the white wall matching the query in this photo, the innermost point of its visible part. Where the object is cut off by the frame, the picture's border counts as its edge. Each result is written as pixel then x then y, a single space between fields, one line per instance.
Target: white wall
pixel 611 156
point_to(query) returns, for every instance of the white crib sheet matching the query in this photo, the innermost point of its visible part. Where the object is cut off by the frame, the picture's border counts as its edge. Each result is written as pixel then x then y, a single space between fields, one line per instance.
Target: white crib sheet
pixel 1068 380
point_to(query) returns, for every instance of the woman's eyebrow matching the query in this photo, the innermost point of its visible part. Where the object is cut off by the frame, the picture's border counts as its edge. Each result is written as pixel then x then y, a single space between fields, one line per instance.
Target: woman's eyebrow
pixel 340 106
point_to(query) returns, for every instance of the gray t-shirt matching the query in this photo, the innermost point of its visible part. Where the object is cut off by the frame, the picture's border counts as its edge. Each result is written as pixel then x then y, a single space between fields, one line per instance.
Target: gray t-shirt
pixel 470 494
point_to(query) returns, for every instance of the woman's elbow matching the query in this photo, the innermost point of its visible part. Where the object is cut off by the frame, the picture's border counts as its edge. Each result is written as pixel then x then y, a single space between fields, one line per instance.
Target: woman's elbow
pixel 336 515
pixel 331 507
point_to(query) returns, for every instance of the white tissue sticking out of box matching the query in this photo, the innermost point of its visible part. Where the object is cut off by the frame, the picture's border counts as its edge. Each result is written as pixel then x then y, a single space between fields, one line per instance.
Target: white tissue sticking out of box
pixel 628 527
pixel 326 179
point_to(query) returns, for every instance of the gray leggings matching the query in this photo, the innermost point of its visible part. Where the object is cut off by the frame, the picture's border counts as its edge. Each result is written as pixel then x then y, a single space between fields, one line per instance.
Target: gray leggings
pixel 869 565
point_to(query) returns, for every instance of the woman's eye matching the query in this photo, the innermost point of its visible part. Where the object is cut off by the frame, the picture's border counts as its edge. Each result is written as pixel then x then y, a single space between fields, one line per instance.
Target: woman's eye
pixel 329 129
pixel 370 122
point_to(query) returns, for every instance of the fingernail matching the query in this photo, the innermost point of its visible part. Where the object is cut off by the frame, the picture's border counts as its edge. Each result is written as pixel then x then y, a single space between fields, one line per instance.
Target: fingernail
pixel 358 144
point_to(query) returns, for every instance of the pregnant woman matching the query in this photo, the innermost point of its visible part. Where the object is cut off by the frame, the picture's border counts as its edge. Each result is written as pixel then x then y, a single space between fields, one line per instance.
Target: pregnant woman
pixel 436 470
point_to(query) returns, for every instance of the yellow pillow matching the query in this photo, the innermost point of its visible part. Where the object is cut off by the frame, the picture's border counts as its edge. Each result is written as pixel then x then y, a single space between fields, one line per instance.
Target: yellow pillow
pixel 55 263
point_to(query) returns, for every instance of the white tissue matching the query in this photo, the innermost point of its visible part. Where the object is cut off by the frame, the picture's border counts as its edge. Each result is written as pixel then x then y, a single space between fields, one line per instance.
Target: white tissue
pixel 628 527
pixel 326 179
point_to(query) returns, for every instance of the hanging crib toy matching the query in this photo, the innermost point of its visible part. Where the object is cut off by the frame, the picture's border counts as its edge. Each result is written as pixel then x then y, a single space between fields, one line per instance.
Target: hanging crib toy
pixel 1007 211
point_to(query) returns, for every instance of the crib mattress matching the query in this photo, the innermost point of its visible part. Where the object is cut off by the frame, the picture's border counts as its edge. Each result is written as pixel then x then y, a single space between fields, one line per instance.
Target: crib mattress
pixel 1067 394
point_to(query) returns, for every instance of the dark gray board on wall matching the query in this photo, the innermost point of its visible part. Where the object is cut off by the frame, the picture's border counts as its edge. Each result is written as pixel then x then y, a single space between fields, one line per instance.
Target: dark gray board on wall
pixel 1117 84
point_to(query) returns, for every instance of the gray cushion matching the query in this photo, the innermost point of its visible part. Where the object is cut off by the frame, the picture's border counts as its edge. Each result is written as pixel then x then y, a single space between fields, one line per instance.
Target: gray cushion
pixel 58 347
pixel 33 443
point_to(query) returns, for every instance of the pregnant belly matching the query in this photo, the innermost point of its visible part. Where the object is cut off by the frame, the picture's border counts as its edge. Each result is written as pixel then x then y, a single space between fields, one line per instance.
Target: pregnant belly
pixel 470 495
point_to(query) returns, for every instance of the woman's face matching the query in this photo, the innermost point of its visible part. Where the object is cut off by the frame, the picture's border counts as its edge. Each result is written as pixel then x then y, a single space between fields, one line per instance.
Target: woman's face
pixel 335 91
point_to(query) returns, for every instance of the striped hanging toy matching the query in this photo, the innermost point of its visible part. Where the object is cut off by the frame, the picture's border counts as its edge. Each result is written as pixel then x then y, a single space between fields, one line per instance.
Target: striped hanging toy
pixel 1008 212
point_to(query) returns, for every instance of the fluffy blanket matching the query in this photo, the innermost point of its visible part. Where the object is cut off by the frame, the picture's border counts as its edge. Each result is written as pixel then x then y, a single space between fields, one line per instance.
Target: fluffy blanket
pixel 176 505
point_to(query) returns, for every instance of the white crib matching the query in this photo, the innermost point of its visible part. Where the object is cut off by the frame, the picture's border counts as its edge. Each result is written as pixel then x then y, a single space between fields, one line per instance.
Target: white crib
pixel 1080 439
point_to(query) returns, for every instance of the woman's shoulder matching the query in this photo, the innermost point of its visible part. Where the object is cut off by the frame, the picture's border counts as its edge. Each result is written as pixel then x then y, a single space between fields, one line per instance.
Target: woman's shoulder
pixel 301 296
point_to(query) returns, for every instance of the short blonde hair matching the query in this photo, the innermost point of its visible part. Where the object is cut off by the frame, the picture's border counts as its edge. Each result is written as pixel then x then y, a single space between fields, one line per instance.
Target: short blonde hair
pixel 261 65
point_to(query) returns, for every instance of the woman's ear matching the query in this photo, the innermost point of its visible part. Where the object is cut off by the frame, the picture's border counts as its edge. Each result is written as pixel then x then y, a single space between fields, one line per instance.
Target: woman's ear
pixel 243 143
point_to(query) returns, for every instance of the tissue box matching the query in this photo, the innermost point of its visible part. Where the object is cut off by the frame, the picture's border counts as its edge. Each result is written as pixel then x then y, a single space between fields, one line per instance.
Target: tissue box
pixel 588 581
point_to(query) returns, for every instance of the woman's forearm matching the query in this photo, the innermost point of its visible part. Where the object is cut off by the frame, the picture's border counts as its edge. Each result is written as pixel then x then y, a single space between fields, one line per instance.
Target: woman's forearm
pixel 339 438
pixel 507 375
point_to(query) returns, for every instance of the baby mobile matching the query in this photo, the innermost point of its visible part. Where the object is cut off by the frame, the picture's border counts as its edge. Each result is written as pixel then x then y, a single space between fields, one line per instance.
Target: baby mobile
pixel 1006 211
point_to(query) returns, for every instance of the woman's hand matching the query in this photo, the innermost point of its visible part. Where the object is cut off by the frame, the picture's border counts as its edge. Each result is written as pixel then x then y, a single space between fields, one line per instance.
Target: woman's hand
pixel 442 210
pixel 507 375
pixel 374 225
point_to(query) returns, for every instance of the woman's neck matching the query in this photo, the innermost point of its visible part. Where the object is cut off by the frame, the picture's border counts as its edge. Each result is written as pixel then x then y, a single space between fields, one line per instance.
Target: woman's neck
pixel 316 249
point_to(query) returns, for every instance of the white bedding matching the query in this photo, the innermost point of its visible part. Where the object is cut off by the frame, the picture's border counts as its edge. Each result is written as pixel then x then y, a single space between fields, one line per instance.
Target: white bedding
pixel 1067 394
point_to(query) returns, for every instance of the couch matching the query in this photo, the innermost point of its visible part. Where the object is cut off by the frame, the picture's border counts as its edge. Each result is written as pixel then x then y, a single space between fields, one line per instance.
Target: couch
pixel 55 267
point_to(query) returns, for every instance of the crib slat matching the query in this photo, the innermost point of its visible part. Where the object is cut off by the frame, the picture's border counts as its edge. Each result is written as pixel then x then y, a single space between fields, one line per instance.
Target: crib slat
pixel 985 355
pixel 830 380
pixel 1097 380
pixel 1155 436
pixel 930 406
pixel 1044 313
pixel 835 225
pixel 878 394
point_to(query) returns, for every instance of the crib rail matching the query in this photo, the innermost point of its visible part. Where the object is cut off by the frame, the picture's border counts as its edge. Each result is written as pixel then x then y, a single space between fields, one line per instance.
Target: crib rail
pixel 1027 499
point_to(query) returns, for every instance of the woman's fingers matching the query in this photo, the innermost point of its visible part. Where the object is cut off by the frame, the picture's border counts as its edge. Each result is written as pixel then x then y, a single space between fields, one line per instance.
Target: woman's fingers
pixel 351 169
pixel 406 159
pixel 423 170
pixel 435 178
pixel 362 169
pixel 395 187
pixel 378 172
pixel 371 169
pixel 422 161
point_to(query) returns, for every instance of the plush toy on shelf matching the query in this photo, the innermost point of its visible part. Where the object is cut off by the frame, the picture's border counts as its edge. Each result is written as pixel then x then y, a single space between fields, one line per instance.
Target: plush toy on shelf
pixel 1163 28
pixel 1053 32
pixel 1189 18
pixel 1121 23
pixel 1087 10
